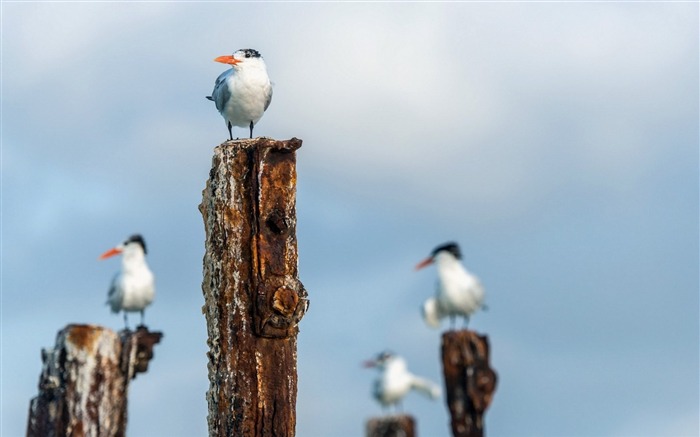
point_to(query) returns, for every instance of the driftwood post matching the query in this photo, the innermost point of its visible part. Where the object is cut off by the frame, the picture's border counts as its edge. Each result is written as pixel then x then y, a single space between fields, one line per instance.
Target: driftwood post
pixel 470 382
pixel 392 426
pixel 85 379
pixel 253 297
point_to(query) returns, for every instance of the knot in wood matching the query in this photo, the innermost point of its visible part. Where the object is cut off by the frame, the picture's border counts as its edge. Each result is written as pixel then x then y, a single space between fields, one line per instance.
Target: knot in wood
pixel 276 222
pixel 285 301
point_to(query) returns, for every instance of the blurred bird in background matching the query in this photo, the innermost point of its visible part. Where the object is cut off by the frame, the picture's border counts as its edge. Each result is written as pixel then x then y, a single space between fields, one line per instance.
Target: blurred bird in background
pixel 459 293
pixel 133 287
pixel 243 93
pixel 395 381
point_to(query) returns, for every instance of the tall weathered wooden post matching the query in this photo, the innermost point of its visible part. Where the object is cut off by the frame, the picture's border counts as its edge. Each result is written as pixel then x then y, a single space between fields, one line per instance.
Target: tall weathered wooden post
pixel 85 379
pixel 470 382
pixel 253 297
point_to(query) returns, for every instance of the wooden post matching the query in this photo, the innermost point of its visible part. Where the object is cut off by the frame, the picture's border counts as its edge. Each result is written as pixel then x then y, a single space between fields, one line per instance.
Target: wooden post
pixel 253 299
pixel 470 382
pixel 392 426
pixel 85 379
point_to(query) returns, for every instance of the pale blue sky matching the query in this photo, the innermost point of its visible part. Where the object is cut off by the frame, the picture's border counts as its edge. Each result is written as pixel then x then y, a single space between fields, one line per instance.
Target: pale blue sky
pixel 556 142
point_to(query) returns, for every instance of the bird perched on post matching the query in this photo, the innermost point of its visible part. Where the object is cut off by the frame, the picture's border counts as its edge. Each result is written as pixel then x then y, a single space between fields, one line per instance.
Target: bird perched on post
pixel 133 288
pixel 395 381
pixel 243 93
pixel 459 293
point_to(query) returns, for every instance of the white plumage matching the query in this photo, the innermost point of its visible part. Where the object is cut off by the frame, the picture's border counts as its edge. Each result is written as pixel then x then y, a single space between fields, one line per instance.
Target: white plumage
pixel 395 381
pixel 243 93
pixel 133 287
pixel 458 293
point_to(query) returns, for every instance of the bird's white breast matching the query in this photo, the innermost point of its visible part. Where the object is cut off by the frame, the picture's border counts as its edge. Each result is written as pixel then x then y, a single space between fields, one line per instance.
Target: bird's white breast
pixel 135 290
pixel 393 383
pixel 250 90
pixel 459 293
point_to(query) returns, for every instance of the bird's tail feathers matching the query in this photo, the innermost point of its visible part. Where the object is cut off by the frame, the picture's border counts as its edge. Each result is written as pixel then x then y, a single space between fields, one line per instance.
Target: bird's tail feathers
pixel 431 313
pixel 426 387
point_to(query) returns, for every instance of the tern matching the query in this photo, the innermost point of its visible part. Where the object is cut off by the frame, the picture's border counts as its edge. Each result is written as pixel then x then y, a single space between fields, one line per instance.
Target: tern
pixel 133 288
pixel 243 93
pixel 395 381
pixel 459 293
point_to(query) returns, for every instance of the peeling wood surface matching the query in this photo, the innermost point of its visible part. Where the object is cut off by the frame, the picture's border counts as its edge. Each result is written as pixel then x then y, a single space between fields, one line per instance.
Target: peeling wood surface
pixel 391 426
pixel 470 382
pixel 84 381
pixel 253 297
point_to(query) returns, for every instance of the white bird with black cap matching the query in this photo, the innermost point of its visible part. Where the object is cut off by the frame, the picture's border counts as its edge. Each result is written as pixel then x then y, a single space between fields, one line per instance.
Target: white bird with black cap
pixel 459 293
pixel 133 288
pixel 395 381
pixel 243 93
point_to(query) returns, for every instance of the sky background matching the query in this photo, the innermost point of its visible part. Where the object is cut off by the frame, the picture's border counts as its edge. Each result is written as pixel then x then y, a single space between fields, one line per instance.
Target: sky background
pixel 556 142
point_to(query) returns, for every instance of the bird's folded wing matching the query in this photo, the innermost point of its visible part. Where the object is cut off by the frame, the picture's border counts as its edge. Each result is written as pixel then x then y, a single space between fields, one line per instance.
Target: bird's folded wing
pixel 221 93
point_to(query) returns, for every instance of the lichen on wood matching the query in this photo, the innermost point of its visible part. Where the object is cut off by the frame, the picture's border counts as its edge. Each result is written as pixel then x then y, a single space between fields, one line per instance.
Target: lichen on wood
pixel 253 299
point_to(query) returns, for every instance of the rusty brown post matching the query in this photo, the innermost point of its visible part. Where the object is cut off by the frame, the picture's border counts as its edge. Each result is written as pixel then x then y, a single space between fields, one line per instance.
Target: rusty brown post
pixel 470 382
pixel 391 426
pixel 253 299
pixel 85 379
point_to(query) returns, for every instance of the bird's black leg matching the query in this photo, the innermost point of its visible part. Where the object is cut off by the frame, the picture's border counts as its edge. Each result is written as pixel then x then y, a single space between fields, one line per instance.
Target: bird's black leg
pixel 230 135
pixel 466 322
pixel 251 128
pixel 126 322
pixel 142 324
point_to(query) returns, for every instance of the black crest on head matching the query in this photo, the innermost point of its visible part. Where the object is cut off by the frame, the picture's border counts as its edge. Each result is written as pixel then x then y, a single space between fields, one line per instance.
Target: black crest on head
pixel 384 355
pixel 250 53
pixel 451 247
pixel 137 238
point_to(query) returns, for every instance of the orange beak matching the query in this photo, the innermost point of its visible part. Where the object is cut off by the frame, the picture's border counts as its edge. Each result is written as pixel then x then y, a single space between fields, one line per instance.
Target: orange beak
pixel 110 253
pixel 227 60
pixel 424 263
